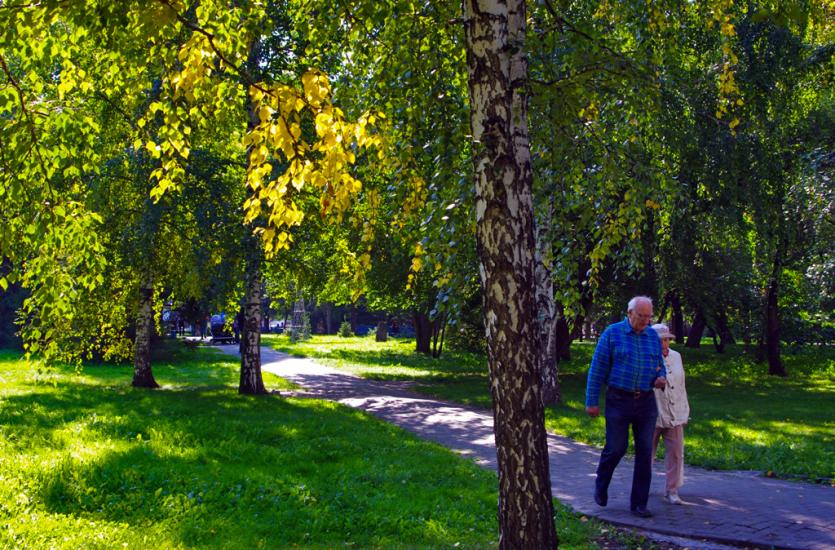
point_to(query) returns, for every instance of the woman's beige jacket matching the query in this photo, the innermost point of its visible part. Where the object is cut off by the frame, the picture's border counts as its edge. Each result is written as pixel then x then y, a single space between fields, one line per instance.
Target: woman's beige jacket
pixel 673 408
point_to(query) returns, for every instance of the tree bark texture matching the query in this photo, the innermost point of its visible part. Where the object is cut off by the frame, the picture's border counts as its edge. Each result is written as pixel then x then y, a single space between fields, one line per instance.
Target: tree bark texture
pixel 497 79
pixel 546 317
pixel 143 376
pixel 252 383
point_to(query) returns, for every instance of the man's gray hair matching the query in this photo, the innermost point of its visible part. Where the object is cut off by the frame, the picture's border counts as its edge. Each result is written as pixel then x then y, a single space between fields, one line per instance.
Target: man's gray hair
pixel 637 300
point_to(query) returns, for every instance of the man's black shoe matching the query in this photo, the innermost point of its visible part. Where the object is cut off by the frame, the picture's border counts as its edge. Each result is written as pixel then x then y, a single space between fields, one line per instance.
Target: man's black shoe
pixel 600 497
pixel 641 512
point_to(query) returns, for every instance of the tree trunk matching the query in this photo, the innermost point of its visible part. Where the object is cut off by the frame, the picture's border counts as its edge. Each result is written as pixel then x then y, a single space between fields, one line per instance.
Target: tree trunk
pixel 563 339
pixel 497 81
pixel 143 377
pixel 586 301
pixel 423 333
pixel 546 310
pixel 648 277
pixel 677 317
pixel 382 332
pixel 694 339
pixel 252 382
pixel 723 330
pixel 772 325
pixel 327 309
pixel 718 344
pixel 438 328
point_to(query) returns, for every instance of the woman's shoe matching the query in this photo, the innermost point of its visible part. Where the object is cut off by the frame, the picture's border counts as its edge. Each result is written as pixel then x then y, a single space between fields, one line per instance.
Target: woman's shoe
pixel 673 498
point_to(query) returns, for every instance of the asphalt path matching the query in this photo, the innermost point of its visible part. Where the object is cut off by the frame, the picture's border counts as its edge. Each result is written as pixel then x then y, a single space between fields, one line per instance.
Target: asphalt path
pixel 721 507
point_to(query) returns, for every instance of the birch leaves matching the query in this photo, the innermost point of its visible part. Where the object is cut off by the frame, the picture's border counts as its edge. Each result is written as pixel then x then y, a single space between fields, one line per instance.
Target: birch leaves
pixel 286 115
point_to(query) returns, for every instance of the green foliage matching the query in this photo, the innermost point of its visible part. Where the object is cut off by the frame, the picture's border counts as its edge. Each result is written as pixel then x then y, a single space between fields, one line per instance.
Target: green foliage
pixel 345 329
pixel 301 332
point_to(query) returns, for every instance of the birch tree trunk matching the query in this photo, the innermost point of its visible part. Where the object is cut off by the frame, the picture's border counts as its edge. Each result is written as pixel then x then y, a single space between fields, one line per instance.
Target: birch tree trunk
pixel 143 377
pixel 252 383
pixel 497 79
pixel 546 315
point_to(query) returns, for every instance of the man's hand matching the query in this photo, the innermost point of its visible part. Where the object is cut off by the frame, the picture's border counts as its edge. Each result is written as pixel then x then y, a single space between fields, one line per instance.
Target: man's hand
pixel 660 382
pixel 593 411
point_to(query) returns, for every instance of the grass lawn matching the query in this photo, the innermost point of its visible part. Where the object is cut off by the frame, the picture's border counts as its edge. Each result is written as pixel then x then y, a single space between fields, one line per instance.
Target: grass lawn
pixel 741 418
pixel 86 461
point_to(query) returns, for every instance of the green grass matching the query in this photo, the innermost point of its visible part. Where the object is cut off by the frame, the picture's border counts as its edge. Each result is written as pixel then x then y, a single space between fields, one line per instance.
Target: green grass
pixel 86 461
pixel 741 419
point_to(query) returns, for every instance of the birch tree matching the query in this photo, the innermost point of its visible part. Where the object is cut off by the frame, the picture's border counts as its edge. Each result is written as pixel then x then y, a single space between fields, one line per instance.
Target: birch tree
pixel 497 76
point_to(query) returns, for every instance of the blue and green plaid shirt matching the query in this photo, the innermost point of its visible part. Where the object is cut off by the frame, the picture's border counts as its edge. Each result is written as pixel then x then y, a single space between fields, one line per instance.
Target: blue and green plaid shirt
pixel 624 359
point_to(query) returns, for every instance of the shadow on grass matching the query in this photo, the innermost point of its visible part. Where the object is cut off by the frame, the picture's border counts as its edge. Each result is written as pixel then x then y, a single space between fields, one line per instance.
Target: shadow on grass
pixel 208 467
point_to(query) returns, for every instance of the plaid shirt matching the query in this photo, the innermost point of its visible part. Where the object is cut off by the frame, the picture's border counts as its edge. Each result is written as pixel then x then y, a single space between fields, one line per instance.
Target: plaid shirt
pixel 624 359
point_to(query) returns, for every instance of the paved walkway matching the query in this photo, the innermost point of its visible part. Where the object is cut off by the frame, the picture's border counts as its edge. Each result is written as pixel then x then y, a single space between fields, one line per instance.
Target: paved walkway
pixel 738 508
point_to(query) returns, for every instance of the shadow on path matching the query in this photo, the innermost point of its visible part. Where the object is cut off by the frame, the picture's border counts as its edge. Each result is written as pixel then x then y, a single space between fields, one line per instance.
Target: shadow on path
pixel 738 508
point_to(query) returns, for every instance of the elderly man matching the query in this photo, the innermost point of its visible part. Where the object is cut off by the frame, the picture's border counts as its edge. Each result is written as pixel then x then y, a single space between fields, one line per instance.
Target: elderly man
pixel 628 360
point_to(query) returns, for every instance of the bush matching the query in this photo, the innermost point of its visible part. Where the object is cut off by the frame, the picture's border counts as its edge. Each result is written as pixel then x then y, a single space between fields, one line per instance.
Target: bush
pixel 345 329
pixel 302 332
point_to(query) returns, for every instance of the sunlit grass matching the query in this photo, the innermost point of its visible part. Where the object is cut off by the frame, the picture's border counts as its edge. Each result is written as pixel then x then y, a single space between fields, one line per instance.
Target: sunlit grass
pixel 86 461
pixel 741 418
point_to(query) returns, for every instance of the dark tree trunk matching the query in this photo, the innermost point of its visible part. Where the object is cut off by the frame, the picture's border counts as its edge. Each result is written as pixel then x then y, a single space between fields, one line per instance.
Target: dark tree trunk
pixel 648 283
pixel 497 79
pixel 143 376
pixel 772 329
pixel 723 330
pixel 353 318
pixel 382 334
pixel 327 309
pixel 664 304
pixel 718 344
pixel 423 333
pixel 678 317
pixel 563 339
pixel 694 339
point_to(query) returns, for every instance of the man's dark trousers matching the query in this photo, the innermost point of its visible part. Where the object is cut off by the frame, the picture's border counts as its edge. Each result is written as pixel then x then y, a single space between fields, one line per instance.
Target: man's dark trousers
pixel 622 410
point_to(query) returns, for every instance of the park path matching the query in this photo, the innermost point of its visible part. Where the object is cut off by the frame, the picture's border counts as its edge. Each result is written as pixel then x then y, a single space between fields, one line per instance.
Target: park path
pixel 738 508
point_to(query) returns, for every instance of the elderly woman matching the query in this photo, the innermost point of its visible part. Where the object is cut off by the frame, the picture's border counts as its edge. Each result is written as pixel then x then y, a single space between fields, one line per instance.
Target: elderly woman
pixel 673 414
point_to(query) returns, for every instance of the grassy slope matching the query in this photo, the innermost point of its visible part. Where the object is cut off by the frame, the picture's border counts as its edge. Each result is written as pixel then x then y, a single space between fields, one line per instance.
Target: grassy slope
pixel 741 418
pixel 87 461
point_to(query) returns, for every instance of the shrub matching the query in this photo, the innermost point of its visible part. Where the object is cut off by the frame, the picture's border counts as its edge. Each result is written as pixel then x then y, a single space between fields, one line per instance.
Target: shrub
pixel 345 329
